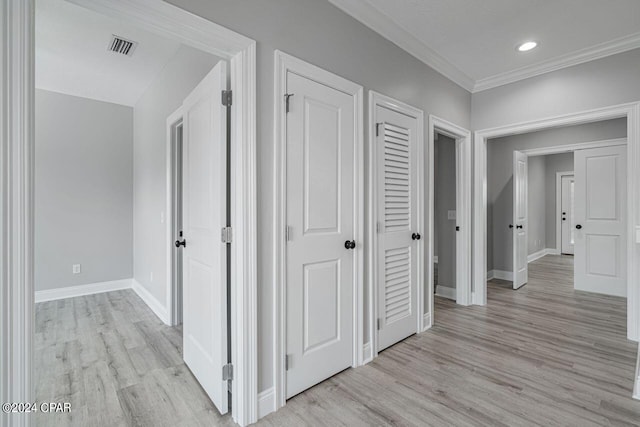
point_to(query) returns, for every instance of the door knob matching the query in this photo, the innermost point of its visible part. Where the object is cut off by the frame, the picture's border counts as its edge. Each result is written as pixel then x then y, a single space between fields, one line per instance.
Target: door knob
pixel 518 226
pixel 578 226
pixel 415 236
pixel 350 244
pixel 510 225
pixel 179 243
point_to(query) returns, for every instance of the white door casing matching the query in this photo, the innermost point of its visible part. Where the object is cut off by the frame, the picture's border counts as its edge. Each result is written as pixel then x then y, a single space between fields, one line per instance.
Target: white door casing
pixel 600 220
pixel 320 153
pixel 567 197
pixel 204 216
pixel 399 242
pixel 520 220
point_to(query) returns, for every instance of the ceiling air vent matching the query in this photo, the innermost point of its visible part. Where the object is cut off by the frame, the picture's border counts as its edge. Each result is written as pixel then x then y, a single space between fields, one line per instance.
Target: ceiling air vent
pixel 121 45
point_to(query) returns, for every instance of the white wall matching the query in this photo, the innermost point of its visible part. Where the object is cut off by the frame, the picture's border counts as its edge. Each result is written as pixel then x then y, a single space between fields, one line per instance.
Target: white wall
pixel 318 32
pixel 180 75
pixel 500 178
pixel 83 190
pixel 445 200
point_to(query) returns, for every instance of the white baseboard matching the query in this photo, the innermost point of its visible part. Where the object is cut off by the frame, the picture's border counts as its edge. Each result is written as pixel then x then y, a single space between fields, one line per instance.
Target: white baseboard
pixel 155 305
pixel 490 275
pixel 446 292
pixel 542 252
pixel 266 402
pixel 82 290
pixel 426 322
pixel 367 353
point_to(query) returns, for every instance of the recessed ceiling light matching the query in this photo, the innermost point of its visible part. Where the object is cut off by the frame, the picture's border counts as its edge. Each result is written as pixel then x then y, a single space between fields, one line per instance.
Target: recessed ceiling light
pixel 527 46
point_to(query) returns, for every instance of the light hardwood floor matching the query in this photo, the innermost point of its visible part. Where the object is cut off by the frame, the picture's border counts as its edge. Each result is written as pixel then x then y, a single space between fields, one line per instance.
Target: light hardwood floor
pixel 541 355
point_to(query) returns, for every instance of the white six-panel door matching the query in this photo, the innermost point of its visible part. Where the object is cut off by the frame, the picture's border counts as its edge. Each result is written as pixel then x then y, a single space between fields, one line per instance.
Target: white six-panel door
pixel 399 238
pixel 520 220
pixel 204 215
pixel 600 220
pixel 320 208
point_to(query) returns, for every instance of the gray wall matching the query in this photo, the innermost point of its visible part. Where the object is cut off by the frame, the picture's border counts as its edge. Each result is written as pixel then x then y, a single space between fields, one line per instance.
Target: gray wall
pixel 83 185
pixel 553 164
pixel 500 178
pixel 318 32
pixel 536 199
pixel 608 81
pixel 165 94
pixel 445 200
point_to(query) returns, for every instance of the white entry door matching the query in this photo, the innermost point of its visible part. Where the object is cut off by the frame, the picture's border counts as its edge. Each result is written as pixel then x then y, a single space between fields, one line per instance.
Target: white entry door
pixel 320 212
pixel 520 226
pixel 204 216
pixel 600 220
pixel 399 239
pixel 567 232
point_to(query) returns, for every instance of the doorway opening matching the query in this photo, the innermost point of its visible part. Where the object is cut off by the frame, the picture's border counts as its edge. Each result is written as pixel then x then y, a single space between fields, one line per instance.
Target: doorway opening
pixel 550 205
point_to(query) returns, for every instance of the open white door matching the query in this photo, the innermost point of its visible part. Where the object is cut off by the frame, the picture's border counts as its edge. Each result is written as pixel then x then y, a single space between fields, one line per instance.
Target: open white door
pixel 399 244
pixel 567 197
pixel 520 185
pixel 600 220
pixel 205 253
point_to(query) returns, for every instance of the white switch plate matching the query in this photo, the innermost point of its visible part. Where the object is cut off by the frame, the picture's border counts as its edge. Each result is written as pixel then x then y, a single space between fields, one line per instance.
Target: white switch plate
pixel 151 276
pixel 76 269
pixel 451 214
pixel 435 259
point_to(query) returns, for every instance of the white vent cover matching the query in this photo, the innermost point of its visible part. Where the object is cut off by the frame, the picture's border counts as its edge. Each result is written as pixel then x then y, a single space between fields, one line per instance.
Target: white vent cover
pixel 122 45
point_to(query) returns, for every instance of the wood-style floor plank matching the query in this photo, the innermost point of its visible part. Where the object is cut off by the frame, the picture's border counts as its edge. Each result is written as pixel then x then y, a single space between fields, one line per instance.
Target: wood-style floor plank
pixel 542 355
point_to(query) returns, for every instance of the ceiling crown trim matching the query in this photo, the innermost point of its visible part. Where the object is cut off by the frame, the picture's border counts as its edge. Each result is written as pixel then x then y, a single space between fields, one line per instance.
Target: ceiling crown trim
pixel 394 32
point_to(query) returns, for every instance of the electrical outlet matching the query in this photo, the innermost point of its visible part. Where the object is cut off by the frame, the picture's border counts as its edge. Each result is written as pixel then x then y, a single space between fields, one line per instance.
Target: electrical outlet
pixel 162 217
pixel 451 214
pixel 76 269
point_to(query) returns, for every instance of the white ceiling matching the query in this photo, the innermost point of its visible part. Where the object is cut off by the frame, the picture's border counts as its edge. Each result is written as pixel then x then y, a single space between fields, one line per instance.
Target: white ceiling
pixel 72 55
pixel 473 41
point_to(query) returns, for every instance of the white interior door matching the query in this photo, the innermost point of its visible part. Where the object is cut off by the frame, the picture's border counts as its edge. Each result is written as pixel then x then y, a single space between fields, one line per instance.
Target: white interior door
pixel 600 220
pixel 320 209
pixel 399 239
pixel 204 216
pixel 567 232
pixel 520 226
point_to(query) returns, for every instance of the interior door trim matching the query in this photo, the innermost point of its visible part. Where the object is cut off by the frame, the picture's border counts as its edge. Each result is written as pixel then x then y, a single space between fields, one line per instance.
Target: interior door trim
pixel 283 64
pixel 377 99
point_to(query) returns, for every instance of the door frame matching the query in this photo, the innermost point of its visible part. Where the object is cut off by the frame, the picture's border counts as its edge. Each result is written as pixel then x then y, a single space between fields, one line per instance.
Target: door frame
pixel 17 58
pixel 630 111
pixel 559 176
pixel 284 63
pixel 376 99
pixel 174 313
pixel 464 187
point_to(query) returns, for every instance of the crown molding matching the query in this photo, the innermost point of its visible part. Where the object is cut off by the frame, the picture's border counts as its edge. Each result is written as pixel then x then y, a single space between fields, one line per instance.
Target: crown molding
pixel 581 56
pixel 392 31
pixel 382 24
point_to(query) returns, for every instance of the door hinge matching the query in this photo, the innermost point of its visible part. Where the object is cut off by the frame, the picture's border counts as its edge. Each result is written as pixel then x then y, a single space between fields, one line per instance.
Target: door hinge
pixel 378 129
pixel 226 234
pixel 378 227
pixel 287 362
pixel 286 101
pixel 227 98
pixel 227 372
pixel 287 233
pixel 379 325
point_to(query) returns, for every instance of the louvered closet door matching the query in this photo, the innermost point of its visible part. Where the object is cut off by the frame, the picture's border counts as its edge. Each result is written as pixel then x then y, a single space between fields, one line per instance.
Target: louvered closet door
pixel 397 220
